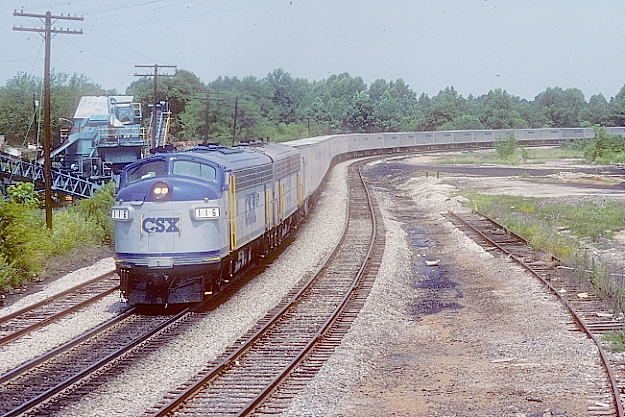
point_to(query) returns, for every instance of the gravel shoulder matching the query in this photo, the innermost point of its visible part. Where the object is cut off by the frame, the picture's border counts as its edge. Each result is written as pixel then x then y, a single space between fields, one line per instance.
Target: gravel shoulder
pixel 42 290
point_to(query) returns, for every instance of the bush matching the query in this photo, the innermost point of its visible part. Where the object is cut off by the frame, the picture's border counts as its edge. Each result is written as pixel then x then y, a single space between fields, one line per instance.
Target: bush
pixel 22 238
pixel 506 148
pixel 86 222
pixel 96 210
pixel 26 244
pixel 605 148
pixel 24 193
pixel 9 276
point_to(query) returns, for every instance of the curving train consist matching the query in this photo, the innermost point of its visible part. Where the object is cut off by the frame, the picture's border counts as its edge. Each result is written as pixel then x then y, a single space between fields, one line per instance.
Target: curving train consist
pixel 187 222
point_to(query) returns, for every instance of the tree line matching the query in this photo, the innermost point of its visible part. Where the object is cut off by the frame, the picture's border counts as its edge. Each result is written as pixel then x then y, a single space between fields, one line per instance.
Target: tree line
pixel 280 106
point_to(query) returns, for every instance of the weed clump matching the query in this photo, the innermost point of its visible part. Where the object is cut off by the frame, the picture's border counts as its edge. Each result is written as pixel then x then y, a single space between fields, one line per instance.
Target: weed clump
pixel 616 340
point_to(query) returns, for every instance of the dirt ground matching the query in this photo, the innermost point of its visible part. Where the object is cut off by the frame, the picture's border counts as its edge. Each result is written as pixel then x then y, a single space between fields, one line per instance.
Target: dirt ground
pixel 475 335
pixel 486 340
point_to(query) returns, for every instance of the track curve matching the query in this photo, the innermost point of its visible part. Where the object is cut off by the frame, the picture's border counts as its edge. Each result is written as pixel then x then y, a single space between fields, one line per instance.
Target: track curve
pixel 545 268
pixel 244 378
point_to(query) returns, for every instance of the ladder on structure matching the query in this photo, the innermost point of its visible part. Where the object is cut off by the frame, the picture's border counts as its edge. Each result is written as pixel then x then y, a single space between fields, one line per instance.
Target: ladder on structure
pixel 162 128
pixel 15 169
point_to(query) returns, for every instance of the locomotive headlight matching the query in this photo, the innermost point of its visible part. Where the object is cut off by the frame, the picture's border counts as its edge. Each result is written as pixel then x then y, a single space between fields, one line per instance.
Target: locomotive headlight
pixel 120 214
pixel 200 213
pixel 160 190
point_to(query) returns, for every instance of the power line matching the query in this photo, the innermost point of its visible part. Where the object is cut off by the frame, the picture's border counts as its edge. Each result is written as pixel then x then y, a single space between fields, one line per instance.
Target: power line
pixel 198 12
pixel 112 41
pixel 47 32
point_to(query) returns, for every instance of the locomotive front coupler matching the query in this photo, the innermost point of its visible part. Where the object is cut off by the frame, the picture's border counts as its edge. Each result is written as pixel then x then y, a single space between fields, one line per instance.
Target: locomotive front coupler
pixel 157 286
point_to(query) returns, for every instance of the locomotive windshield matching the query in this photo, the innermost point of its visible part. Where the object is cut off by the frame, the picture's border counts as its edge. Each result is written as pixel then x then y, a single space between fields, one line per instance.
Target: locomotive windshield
pixel 194 169
pixel 147 170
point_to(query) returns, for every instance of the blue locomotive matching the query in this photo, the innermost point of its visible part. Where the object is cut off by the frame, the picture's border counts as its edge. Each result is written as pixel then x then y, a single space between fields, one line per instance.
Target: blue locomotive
pixel 186 222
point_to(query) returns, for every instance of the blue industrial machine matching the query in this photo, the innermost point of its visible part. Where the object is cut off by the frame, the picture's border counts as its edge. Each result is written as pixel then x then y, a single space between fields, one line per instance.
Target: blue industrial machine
pixel 105 135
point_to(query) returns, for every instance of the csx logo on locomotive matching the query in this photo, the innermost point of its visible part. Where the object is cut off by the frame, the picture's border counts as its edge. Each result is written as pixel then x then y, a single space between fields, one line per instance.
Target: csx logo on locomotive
pixel 160 225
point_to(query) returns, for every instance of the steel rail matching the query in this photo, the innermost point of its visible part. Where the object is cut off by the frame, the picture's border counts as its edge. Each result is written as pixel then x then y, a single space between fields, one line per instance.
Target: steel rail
pixel 58 315
pixel 96 365
pixel 580 322
pixel 268 390
pixel 226 362
pixel 21 369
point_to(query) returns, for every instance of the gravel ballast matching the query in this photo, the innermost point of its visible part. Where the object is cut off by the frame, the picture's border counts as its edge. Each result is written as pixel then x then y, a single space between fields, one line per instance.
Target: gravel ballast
pixel 52 288
pixel 40 341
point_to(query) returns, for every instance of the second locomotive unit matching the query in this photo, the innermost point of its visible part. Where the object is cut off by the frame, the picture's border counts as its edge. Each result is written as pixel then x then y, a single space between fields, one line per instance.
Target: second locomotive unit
pixel 186 222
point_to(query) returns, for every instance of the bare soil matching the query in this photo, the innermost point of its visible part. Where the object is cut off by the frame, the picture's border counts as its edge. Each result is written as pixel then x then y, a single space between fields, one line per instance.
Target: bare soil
pixel 487 340
pixel 474 335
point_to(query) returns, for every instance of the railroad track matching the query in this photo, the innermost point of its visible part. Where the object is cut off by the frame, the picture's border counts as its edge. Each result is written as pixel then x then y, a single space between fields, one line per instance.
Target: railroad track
pixel 47 376
pixel 589 312
pixel 33 317
pixel 265 368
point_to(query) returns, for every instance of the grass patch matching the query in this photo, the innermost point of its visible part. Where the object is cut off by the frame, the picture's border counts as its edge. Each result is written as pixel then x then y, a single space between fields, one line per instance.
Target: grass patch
pixel 519 156
pixel 543 217
pixel 616 340
pixel 563 152
pixel 560 228
pixel 471 158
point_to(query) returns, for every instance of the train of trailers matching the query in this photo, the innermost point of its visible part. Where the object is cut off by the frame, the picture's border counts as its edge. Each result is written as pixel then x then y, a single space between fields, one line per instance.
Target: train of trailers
pixel 187 223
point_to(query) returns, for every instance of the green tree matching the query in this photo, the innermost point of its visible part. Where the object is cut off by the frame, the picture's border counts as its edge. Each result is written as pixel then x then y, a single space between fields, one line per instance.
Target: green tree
pixel 287 95
pixel 617 104
pixel 24 193
pixel 597 111
pixel 499 110
pixel 444 108
pixel 561 108
pixel 359 117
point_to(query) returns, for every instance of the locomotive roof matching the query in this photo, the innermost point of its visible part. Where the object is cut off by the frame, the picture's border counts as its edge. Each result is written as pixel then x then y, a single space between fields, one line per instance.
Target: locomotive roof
pixel 238 157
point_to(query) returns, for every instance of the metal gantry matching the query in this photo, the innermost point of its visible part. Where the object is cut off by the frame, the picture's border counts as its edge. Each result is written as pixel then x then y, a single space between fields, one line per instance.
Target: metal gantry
pixel 16 169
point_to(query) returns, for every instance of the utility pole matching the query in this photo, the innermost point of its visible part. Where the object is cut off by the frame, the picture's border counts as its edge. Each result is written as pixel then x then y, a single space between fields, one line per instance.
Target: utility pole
pixel 155 76
pixel 47 31
pixel 234 126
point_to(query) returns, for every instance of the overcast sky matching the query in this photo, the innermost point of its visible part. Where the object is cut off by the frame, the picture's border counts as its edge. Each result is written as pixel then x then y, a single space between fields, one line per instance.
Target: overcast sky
pixel 475 45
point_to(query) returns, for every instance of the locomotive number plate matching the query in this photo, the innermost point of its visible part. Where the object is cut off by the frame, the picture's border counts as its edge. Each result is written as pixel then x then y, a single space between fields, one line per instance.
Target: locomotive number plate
pixel 119 214
pixel 207 212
